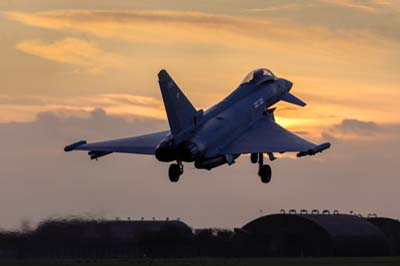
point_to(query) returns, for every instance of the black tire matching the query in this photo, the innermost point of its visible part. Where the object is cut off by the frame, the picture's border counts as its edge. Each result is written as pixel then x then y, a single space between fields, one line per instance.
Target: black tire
pixel 254 158
pixel 265 173
pixel 174 172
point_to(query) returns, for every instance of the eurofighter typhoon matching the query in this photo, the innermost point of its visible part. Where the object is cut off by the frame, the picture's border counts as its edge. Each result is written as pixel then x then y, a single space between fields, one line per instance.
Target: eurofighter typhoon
pixel 242 123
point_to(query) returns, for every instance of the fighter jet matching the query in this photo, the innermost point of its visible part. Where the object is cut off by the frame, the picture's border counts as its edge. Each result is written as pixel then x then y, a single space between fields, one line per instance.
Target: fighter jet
pixel 242 123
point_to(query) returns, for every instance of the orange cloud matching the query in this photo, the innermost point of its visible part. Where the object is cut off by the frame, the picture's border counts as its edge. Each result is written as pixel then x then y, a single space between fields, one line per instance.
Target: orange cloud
pixel 86 55
pixel 278 42
pixel 274 8
pixel 23 110
pixel 368 6
pixel 174 27
pixel 357 5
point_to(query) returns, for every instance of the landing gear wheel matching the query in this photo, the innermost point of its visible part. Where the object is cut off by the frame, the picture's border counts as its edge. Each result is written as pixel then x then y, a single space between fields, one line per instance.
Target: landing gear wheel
pixel 174 172
pixel 265 173
pixel 254 157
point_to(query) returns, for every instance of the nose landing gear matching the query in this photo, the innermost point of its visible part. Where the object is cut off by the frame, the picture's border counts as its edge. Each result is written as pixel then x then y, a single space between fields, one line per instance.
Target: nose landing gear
pixel 264 170
pixel 175 171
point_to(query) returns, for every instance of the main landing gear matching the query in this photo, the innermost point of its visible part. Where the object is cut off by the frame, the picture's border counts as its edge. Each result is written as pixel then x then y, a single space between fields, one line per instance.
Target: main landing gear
pixel 264 170
pixel 175 171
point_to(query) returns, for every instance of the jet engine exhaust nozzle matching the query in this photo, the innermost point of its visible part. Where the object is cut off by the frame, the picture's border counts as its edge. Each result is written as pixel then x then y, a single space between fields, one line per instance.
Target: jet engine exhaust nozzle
pixel 165 152
pixel 191 151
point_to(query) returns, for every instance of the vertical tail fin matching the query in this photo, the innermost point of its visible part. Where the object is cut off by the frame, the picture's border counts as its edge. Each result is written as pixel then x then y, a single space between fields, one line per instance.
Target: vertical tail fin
pixel 181 113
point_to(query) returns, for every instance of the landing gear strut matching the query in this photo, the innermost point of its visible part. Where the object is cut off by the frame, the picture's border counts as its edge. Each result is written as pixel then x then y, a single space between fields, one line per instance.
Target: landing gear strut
pixel 264 170
pixel 254 158
pixel 175 171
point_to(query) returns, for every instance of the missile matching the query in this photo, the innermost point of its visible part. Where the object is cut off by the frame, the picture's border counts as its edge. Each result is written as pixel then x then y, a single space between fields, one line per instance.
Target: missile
pixel 94 155
pixel 316 149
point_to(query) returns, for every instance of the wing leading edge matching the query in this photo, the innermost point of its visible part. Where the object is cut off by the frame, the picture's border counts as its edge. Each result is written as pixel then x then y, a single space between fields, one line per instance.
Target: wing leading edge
pixel 267 136
pixel 145 144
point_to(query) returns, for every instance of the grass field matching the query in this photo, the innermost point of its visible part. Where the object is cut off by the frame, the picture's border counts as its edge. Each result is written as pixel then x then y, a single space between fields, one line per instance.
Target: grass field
pixel 384 261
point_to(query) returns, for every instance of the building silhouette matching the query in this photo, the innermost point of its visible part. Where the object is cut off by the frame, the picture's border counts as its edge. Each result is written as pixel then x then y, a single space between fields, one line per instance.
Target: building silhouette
pixel 285 234
pixel 317 235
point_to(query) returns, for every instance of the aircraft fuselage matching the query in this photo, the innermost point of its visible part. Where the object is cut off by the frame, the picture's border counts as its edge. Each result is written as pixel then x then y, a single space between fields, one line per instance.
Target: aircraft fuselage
pixel 222 124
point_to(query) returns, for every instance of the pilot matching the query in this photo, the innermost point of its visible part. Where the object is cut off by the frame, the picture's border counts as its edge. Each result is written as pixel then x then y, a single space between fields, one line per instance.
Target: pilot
pixel 257 75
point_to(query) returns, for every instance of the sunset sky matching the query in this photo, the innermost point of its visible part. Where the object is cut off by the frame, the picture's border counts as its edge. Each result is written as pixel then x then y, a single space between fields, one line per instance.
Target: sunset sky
pixel 87 69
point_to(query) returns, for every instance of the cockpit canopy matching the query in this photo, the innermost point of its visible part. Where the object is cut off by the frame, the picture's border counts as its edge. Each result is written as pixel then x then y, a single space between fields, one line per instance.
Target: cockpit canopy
pixel 258 75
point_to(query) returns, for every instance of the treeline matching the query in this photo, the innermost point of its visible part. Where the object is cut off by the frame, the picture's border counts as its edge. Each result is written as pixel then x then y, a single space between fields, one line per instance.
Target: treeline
pixel 82 238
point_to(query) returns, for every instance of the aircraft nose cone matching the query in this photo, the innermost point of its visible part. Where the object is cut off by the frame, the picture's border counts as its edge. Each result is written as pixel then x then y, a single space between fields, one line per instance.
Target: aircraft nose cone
pixel 285 84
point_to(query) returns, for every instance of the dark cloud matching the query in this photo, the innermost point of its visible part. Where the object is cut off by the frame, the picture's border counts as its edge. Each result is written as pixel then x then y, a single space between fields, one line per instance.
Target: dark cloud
pixel 51 131
pixel 353 127
pixel 358 127
pixel 39 180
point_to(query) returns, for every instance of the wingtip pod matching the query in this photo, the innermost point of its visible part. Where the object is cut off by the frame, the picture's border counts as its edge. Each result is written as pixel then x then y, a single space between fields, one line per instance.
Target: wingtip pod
pixel 315 150
pixel 75 145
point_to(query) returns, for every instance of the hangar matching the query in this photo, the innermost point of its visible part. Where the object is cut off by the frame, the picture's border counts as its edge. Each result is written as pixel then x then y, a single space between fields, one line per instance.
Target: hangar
pixel 391 229
pixel 317 235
